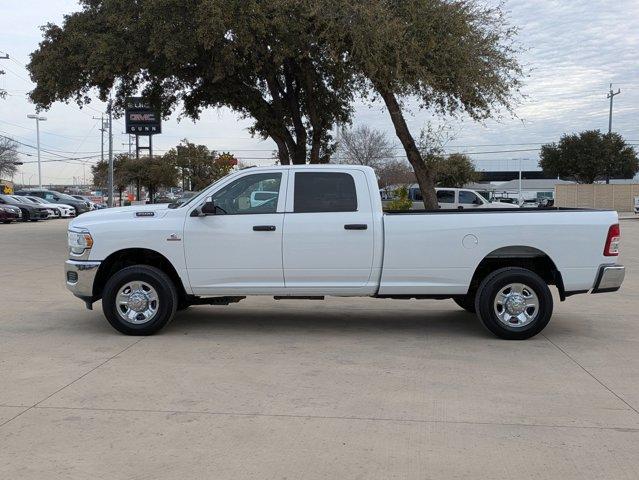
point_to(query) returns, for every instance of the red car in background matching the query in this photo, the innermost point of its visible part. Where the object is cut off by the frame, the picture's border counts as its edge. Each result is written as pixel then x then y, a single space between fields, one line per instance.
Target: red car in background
pixel 9 213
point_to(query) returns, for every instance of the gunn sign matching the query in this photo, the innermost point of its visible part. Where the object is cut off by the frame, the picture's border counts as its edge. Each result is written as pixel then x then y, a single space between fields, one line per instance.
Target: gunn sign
pixel 140 118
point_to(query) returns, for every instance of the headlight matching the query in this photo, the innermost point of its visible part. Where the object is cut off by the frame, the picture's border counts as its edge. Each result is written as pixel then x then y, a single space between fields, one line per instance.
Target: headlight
pixel 80 240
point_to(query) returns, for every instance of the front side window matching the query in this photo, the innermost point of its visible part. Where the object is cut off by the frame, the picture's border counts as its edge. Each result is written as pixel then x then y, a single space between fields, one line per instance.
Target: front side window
pixel 467 197
pixel 445 196
pixel 251 194
pixel 324 192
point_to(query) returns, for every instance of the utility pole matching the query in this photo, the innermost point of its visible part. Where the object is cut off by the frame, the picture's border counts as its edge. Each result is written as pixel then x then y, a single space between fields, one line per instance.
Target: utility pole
pixel 110 181
pixel 520 199
pixel 129 144
pixel 38 119
pixel 3 93
pixel 611 95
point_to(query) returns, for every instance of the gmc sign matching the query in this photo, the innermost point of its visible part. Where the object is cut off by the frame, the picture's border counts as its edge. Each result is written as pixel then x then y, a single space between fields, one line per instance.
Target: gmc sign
pixel 141 118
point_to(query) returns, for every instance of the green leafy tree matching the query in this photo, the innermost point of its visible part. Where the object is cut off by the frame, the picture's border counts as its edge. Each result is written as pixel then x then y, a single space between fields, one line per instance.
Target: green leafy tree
pixel 198 166
pixel 263 59
pixel 590 156
pixel 121 177
pixel 455 171
pixel 452 56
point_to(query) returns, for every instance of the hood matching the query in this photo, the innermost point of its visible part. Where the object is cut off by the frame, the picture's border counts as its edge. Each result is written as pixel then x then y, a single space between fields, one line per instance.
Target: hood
pixel 148 212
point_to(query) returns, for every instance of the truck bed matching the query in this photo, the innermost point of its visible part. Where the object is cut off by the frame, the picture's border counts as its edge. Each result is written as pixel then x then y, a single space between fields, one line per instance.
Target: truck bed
pixel 432 252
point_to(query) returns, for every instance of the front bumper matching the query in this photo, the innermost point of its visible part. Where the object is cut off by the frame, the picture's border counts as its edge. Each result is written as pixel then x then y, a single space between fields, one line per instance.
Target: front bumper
pixel 79 276
pixel 609 278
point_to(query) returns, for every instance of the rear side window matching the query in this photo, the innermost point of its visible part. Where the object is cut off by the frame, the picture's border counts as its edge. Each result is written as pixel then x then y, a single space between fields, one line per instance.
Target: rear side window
pixel 324 192
pixel 446 196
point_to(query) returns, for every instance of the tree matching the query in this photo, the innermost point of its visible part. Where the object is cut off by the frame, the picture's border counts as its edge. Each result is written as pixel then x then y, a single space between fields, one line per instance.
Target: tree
pixel 198 166
pixel 264 59
pixel 401 200
pixel 394 172
pixel 589 156
pixel 455 171
pixel 364 146
pixel 121 177
pixel 8 157
pixel 453 56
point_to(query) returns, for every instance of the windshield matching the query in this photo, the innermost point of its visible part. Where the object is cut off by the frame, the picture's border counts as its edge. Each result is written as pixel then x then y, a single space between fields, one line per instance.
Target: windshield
pixel 19 199
pixel 195 195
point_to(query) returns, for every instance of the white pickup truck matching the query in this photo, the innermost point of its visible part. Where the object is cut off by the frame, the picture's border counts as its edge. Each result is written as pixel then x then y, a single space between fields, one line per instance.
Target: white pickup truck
pixel 320 231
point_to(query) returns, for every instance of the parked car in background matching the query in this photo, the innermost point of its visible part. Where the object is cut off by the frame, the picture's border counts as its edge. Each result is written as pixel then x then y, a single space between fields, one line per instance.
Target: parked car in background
pixel 52 212
pixel 30 212
pixel 9 213
pixel 62 210
pixel 92 205
pixel 451 199
pixel 57 197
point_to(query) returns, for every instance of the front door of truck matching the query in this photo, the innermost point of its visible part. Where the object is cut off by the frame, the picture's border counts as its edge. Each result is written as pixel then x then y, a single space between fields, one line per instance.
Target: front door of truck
pixel 328 231
pixel 239 249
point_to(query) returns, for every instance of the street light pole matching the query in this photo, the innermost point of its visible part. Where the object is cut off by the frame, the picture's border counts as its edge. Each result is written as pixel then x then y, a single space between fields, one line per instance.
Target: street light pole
pixel 38 119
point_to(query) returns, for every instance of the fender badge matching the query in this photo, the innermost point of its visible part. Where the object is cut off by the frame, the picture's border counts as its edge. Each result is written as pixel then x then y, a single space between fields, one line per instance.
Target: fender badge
pixel 144 214
pixel 174 238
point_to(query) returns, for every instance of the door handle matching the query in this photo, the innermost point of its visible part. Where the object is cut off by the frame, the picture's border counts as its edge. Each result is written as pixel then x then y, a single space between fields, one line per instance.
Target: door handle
pixel 355 226
pixel 264 228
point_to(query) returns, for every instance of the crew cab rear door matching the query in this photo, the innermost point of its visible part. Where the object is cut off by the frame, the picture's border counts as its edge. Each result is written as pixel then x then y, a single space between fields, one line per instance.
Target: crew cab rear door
pixel 328 230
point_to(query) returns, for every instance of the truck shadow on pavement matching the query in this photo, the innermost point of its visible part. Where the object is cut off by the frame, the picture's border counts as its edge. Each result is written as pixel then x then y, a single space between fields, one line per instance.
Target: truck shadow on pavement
pixel 211 320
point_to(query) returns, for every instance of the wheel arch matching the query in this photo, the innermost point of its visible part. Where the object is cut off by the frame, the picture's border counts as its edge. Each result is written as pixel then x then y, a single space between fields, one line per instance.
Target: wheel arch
pixel 135 256
pixel 523 256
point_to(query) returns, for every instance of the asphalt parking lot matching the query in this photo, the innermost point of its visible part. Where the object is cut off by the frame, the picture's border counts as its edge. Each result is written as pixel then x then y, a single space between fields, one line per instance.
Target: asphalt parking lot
pixel 370 389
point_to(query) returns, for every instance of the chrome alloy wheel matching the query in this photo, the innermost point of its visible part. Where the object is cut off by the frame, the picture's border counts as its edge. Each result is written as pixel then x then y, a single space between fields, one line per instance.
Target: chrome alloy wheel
pixel 137 302
pixel 516 305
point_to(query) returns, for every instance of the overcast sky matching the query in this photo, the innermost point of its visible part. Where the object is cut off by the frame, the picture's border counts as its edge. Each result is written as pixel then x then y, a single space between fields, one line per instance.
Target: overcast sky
pixel 575 48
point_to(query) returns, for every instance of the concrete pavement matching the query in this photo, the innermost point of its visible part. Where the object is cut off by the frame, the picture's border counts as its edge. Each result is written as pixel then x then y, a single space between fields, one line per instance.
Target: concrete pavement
pixel 355 388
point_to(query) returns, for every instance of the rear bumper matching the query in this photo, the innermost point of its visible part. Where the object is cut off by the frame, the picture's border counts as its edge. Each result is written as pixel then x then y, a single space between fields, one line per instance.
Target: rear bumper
pixel 609 278
pixel 79 276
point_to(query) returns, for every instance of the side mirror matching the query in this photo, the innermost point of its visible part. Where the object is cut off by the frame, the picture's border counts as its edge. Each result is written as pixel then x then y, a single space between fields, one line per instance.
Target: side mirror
pixel 209 208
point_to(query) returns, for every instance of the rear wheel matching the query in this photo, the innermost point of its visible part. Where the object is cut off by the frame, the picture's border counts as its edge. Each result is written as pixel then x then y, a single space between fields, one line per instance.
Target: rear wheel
pixel 139 300
pixel 514 303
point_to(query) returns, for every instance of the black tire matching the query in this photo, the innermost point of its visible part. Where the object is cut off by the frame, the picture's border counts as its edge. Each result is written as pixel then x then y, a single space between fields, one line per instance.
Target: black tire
pixel 182 305
pixel 25 216
pixel 492 285
pixel 166 303
pixel 467 302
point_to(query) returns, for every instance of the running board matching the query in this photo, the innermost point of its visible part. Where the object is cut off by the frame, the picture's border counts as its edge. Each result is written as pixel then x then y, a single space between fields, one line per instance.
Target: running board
pixel 214 300
pixel 298 298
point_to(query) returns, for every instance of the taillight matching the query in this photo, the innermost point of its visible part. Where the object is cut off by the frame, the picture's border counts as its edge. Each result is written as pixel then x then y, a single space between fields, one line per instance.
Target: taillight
pixel 612 241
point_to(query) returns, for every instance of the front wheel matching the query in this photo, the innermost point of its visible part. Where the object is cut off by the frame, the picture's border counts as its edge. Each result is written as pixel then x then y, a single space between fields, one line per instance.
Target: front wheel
pixel 514 303
pixel 139 300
